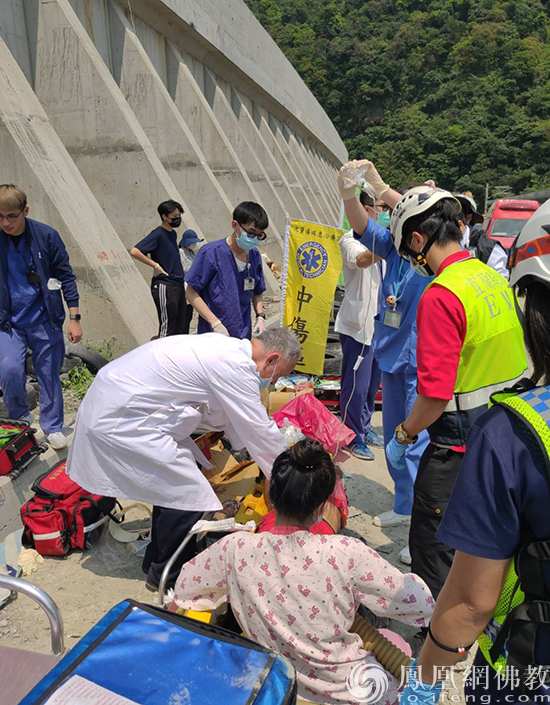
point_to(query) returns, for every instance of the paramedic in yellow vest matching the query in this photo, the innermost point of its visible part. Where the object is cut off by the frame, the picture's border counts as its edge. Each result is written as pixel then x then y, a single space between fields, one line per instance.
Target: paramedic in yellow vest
pixel 499 511
pixel 469 345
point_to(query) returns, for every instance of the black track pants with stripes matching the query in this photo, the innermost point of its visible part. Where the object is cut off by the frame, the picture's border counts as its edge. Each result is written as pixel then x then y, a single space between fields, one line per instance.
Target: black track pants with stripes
pixel 174 312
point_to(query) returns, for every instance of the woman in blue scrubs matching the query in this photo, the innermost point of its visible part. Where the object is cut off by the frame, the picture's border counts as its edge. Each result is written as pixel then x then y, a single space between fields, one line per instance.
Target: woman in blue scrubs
pixel 394 339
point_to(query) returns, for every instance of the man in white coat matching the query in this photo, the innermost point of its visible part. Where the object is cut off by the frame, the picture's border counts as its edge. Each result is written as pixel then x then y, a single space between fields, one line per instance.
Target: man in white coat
pixel 133 431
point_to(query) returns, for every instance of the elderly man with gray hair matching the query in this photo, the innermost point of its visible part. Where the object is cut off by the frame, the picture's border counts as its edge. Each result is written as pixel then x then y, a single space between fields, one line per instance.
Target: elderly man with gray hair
pixel 133 430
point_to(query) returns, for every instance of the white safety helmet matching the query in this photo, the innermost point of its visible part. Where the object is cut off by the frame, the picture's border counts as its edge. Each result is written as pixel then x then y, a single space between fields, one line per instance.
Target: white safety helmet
pixel 416 201
pixel 529 256
pixel 462 198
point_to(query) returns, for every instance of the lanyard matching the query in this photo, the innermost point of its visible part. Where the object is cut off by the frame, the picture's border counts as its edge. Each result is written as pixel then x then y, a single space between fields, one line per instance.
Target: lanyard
pixel 403 280
pixel 29 265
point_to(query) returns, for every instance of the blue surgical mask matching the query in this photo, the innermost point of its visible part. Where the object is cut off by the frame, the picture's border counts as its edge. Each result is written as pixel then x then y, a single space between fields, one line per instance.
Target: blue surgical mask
pixel 421 269
pixel 264 381
pixel 384 219
pixel 245 242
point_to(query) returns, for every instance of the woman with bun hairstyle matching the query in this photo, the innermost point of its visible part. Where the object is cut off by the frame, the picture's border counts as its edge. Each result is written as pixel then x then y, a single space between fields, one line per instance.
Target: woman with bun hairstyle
pixel 298 592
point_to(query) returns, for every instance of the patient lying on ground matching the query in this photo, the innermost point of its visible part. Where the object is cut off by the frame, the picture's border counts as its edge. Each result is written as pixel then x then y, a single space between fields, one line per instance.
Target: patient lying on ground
pixel 297 592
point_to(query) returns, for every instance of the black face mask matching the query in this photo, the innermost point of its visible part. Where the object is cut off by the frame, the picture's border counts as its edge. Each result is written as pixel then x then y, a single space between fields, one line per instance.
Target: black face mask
pixel 175 222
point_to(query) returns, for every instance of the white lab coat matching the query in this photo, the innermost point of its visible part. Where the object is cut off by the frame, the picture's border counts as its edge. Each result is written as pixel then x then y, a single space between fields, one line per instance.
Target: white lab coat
pixel 360 304
pixel 132 436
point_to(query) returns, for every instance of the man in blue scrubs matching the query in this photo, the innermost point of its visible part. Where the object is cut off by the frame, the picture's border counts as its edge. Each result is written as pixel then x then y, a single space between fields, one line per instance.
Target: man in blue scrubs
pixel 394 342
pixel 34 270
pixel 227 276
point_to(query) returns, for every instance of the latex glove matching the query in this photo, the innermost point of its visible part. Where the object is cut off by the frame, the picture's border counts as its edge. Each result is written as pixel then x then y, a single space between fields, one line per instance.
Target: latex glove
pixel 395 453
pixel 259 327
pixel 29 560
pixel 221 329
pixel 373 178
pixel 348 192
pixel 159 270
pixel 416 692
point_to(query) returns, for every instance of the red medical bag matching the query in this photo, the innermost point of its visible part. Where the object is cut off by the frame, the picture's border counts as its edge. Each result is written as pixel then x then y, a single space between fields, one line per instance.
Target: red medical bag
pixel 21 449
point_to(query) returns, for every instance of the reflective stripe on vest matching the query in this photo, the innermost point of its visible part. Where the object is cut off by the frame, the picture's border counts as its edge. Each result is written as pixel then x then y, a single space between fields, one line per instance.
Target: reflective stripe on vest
pixel 492 354
pixel 534 407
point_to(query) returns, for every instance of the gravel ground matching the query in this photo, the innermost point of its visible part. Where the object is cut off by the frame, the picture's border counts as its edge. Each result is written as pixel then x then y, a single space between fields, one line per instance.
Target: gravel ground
pixel 85 585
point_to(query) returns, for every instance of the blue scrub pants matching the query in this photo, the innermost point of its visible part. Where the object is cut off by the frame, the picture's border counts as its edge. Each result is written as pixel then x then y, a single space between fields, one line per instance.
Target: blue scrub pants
pixel 398 394
pixel 360 408
pixel 48 350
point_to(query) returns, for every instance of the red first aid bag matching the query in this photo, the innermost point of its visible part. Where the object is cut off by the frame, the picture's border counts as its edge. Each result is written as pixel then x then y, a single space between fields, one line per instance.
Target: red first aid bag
pixel 18 450
pixel 62 514
pixel 315 421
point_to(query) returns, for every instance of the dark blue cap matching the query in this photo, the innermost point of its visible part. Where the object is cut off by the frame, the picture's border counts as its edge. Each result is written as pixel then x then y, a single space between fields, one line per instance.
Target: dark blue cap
pixel 189 237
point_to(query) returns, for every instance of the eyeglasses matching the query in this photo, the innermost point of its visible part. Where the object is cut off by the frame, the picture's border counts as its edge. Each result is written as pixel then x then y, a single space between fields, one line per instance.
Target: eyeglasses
pixel 259 236
pixel 384 207
pixel 11 218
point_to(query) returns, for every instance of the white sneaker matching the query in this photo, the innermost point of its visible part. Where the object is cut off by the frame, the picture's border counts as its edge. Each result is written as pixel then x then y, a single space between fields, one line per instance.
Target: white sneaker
pixel 390 518
pixel 57 440
pixel 405 556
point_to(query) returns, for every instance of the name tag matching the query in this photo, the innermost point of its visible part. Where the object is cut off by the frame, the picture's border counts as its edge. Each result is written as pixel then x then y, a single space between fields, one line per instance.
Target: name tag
pixel 393 318
pixel 249 284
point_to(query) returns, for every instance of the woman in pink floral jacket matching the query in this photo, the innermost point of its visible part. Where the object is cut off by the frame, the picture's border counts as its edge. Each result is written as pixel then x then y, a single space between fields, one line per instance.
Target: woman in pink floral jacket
pixel 298 592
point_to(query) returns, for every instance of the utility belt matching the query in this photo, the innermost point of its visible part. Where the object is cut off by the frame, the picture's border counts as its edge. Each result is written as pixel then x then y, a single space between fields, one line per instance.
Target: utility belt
pixel 523 609
pixel 460 414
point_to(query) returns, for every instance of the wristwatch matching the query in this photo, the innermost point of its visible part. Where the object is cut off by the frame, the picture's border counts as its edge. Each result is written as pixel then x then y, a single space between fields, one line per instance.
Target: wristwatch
pixel 260 315
pixel 75 317
pixel 401 436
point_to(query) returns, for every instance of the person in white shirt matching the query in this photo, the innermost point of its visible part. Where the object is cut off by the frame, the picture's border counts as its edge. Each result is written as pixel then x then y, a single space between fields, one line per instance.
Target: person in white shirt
pixel 474 239
pixel 355 324
pixel 133 430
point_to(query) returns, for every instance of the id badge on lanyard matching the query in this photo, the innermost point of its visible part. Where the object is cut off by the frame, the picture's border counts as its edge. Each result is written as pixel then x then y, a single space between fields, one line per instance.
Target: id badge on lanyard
pixel 392 317
pixel 249 283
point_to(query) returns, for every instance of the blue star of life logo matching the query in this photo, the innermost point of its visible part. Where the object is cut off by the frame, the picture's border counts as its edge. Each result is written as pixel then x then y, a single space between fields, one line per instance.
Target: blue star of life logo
pixel 312 259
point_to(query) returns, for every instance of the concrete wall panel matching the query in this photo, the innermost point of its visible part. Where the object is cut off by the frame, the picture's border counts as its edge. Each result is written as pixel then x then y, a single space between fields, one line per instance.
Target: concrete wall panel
pixel 264 154
pixel 261 120
pixel 174 144
pixel 13 31
pixel 97 126
pixel 307 178
pixel 115 300
pixel 227 38
pixel 332 201
pixel 222 158
pixel 275 193
pixel 94 16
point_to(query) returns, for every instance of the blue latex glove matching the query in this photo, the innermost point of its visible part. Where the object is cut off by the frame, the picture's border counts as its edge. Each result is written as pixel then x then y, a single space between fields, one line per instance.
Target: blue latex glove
pixel 418 693
pixel 396 454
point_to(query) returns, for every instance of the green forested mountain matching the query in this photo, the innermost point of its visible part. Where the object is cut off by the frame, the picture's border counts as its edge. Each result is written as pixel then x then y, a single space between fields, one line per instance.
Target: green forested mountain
pixel 455 91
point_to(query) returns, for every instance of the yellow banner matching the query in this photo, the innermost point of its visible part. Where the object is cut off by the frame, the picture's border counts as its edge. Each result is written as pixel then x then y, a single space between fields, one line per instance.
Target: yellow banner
pixel 311 268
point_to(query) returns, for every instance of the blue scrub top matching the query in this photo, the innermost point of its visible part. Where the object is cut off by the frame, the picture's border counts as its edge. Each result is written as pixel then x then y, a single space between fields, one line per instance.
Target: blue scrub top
pixel 26 300
pixel 215 276
pixel 395 348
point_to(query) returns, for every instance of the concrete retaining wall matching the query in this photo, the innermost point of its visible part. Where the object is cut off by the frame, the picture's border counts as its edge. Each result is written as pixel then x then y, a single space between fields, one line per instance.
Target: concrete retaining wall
pixel 109 107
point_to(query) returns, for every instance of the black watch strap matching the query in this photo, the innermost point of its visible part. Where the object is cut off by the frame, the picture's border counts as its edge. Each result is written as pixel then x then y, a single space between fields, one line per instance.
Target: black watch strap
pixel 75 317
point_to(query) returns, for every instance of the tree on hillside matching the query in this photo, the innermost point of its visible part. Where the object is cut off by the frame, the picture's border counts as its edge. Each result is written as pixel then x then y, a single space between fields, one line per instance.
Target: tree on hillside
pixel 458 91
